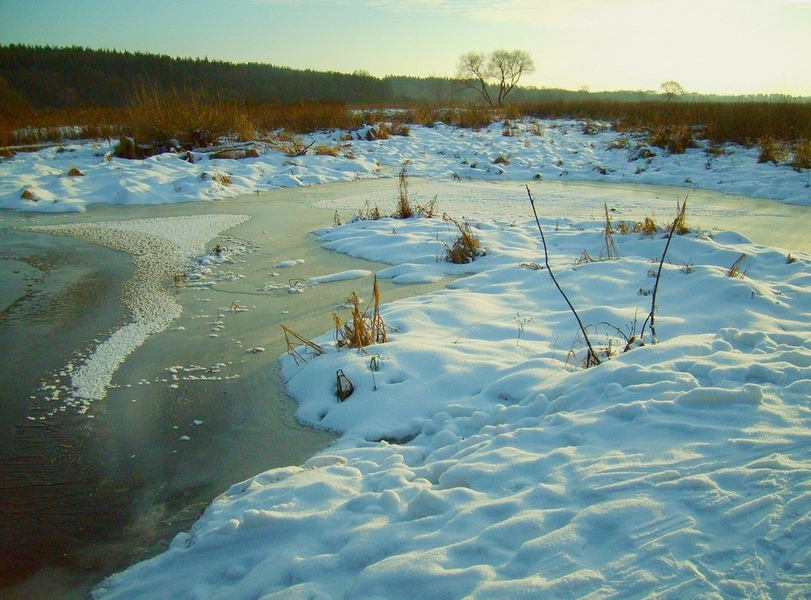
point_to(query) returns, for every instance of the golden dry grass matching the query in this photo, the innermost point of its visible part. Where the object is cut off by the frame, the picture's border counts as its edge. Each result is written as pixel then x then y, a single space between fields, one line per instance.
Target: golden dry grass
pixel 365 327
pixel 466 247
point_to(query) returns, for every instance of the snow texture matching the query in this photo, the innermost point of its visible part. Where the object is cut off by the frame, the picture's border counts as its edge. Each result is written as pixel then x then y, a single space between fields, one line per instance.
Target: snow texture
pixel 477 458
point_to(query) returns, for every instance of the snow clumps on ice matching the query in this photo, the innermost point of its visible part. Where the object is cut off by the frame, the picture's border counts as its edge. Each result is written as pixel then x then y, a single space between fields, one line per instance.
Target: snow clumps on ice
pixel 161 248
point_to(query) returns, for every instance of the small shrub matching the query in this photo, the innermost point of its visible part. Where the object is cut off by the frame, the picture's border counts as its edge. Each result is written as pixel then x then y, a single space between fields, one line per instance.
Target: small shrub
pixel 501 160
pixel 74 172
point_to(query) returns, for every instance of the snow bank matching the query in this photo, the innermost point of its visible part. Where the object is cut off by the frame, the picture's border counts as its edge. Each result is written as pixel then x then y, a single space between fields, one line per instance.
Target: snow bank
pixel 479 460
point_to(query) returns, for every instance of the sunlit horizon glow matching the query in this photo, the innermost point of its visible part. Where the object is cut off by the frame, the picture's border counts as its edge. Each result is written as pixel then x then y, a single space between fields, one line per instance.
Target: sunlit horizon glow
pixel 716 47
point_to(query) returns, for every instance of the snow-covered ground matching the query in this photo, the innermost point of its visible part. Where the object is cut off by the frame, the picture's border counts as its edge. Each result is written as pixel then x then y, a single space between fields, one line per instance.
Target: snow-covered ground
pixel 477 457
pixel 520 151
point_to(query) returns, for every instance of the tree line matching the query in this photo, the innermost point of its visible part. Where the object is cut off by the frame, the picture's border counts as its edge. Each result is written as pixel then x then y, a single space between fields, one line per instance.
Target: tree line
pixel 69 77
pixel 42 77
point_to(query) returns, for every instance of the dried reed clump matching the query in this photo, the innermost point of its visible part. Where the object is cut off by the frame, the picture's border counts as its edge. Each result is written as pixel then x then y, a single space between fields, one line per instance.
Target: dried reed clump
pixel 365 328
pixel 74 172
pixel 222 178
pixel 381 131
pixel 127 148
pixel 404 209
pixel 466 247
pixel 28 195
pixel 647 227
pixel 680 225
pixel 325 150
pixel 309 345
pixel 401 129
pixel 802 155
pixel 735 269
pixel 676 140
pixel 772 150
pixel 427 211
pixel 501 160
pixel 369 212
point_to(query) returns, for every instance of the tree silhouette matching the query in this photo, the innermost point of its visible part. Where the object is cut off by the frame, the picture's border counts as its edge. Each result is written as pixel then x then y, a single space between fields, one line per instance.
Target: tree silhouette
pixel 501 69
pixel 672 90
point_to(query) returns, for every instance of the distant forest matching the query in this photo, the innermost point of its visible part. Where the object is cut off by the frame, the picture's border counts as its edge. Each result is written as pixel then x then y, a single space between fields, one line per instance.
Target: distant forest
pixel 42 77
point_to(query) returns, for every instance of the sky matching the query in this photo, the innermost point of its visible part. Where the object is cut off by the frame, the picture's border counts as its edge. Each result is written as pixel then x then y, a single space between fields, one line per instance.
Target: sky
pixel 708 46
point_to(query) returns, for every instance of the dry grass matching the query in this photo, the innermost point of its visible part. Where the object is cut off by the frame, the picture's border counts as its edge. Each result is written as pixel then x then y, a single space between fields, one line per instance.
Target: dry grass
pixel 680 225
pixel 647 227
pixel 427 211
pixel 802 155
pixel 466 247
pixel 404 209
pixel 324 150
pixel 157 119
pixel 308 345
pixel 735 269
pixel 773 151
pixel 676 140
pixel 222 178
pixel 365 328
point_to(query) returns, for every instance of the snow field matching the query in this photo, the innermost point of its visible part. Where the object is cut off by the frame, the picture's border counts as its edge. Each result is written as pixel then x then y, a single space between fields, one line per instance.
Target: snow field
pixel 522 151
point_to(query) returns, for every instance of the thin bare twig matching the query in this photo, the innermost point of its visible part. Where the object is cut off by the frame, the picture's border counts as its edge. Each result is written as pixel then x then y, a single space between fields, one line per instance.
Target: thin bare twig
pixel 591 359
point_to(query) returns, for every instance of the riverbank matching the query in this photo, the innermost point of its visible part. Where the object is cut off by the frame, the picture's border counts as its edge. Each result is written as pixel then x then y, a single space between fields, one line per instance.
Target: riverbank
pixel 100 485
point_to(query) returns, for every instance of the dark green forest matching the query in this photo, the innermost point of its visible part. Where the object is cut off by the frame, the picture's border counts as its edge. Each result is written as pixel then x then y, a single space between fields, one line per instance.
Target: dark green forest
pixel 42 77
pixel 70 77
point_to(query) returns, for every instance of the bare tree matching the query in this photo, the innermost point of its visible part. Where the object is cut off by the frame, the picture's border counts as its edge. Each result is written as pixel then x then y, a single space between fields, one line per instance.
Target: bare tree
pixel 501 69
pixel 672 90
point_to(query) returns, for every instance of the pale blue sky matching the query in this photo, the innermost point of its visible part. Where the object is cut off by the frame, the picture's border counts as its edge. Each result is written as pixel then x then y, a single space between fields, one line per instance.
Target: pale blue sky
pixel 715 46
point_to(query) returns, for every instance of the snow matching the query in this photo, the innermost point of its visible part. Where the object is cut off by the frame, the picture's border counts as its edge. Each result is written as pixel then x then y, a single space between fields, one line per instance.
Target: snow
pixel 519 151
pixel 477 457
